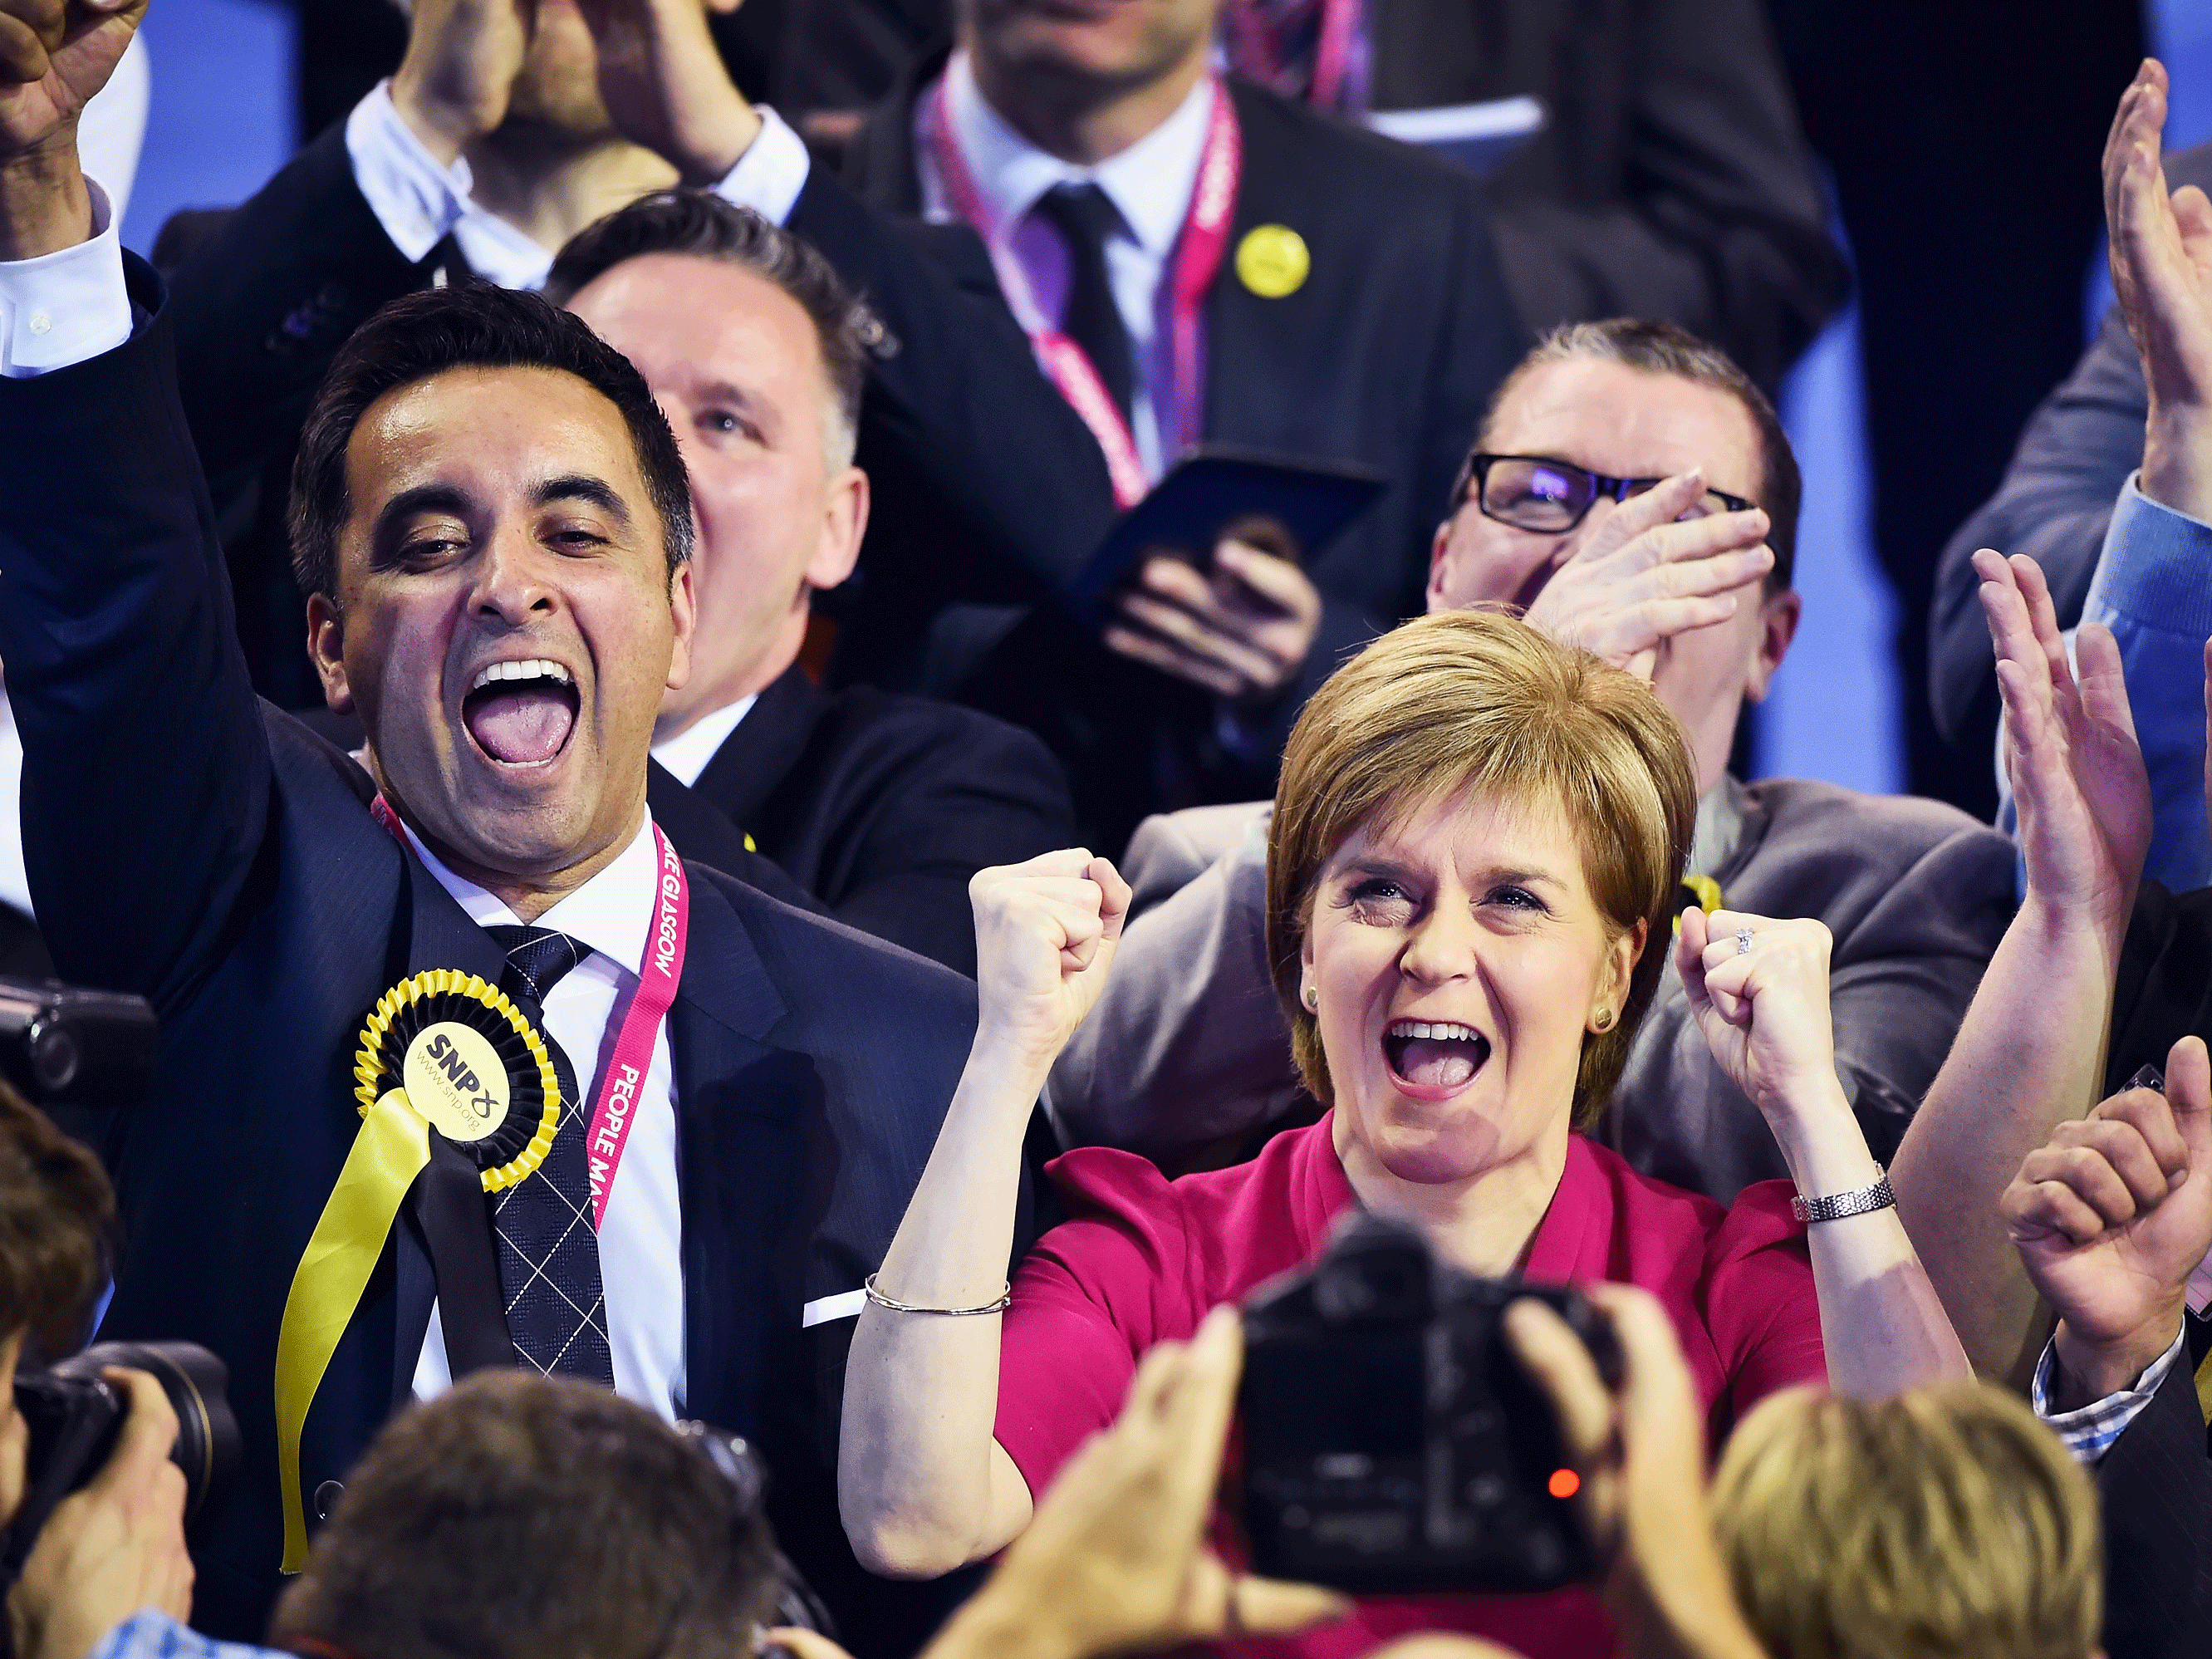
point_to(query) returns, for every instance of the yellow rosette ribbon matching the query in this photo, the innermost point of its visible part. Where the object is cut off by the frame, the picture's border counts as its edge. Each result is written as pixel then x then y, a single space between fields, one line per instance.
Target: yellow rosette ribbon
pixel 443 1050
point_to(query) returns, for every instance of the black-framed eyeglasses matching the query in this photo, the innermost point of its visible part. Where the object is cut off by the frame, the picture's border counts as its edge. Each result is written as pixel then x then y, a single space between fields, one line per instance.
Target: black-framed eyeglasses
pixel 1552 497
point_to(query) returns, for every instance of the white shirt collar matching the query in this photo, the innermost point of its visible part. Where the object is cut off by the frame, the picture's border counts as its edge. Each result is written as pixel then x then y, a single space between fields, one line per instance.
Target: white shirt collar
pixel 1149 183
pixel 612 912
pixel 687 753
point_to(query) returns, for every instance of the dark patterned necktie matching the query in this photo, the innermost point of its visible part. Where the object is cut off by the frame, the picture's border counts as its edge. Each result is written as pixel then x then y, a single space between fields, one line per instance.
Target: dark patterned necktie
pixel 549 1252
pixel 1086 218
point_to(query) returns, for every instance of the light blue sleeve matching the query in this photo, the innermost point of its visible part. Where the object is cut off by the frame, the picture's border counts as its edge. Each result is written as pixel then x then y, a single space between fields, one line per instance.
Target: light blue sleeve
pixel 152 1635
pixel 2153 590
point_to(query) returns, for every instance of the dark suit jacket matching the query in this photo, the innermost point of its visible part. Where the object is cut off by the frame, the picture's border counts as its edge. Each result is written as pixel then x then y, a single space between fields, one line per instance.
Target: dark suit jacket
pixel 2163 991
pixel 1671 179
pixel 2156 1484
pixel 881 806
pixel 986 485
pixel 190 844
pixel 1386 356
pixel 2055 502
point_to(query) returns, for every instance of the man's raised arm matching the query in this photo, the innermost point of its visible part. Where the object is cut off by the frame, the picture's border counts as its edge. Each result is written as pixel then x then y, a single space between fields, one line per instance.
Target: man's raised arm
pixel 146 767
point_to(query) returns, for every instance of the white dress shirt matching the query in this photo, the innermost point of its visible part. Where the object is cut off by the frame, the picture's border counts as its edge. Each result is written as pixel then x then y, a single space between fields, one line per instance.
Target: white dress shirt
pixel 687 753
pixel 420 202
pixel 642 1237
pixel 1150 183
pixel 62 308
pixel 14 883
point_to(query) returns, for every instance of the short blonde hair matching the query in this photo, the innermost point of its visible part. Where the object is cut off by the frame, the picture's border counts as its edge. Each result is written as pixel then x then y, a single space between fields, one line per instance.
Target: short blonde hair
pixel 1942 1523
pixel 1480 700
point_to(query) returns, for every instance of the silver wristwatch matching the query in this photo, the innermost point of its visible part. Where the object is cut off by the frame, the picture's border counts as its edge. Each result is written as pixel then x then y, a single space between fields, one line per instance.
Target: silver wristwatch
pixel 1861 1200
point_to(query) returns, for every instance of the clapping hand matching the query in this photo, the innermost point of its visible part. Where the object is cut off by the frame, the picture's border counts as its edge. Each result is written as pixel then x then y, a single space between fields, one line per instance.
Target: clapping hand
pixel 1763 1010
pixel 1644 574
pixel 1045 935
pixel 454 83
pixel 2161 263
pixel 665 87
pixel 2111 1216
pixel 1240 629
pixel 2069 748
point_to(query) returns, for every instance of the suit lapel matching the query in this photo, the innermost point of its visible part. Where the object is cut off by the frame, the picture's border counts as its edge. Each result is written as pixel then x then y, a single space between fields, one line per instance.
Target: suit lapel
pixel 880 166
pixel 758 754
pixel 1237 343
pixel 743 1111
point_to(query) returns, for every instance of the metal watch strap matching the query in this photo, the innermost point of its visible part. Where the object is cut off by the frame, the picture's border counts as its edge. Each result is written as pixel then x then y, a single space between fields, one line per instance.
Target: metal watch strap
pixel 1862 1201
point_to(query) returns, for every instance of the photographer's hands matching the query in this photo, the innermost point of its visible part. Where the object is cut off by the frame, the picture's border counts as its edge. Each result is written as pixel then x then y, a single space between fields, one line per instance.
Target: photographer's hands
pixel 114 1548
pixel 1115 1560
pixel 1641 1457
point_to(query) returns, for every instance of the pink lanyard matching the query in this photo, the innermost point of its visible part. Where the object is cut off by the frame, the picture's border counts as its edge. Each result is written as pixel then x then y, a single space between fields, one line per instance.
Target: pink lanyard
pixel 1198 257
pixel 659 976
pixel 1258 55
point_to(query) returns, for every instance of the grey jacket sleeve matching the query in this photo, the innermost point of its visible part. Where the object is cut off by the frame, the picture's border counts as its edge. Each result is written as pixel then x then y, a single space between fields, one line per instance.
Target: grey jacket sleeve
pixel 1186 1043
pixel 2056 499
pixel 1902 978
pixel 2053 504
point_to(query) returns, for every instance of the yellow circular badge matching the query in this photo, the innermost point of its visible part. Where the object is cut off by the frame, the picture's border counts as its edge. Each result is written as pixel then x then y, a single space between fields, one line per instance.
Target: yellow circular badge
pixel 1271 261
pixel 456 1079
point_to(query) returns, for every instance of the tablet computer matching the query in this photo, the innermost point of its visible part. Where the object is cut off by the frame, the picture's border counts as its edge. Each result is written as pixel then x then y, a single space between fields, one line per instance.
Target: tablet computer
pixel 1285 505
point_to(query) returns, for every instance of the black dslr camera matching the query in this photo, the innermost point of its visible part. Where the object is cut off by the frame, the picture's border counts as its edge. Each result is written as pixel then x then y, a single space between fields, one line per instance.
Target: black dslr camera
pixel 74 1417
pixel 62 1045
pixel 1393 1445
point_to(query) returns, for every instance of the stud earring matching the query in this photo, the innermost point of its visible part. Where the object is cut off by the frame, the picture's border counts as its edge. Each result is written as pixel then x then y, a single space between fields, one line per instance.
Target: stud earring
pixel 1604 1020
pixel 1313 1000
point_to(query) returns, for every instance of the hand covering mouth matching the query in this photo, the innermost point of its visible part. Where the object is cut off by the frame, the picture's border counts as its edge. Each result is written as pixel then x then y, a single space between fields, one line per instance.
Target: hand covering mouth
pixel 522 713
pixel 1434 1054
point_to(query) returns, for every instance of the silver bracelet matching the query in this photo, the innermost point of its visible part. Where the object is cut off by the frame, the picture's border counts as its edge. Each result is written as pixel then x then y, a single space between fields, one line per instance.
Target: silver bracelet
pixel 1005 1300
pixel 1862 1200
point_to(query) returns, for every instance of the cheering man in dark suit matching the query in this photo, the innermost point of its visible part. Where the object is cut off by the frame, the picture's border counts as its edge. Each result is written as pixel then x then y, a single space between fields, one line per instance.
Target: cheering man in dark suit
pixel 492 519
pixel 880 807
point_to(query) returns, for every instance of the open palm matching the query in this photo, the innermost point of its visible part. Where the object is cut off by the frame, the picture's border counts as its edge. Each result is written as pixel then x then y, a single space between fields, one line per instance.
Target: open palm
pixel 2161 248
pixel 54 56
pixel 2069 744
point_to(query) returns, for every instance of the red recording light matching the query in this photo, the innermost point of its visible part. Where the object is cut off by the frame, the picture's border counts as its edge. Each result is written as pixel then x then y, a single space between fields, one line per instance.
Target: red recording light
pixel 1563 1483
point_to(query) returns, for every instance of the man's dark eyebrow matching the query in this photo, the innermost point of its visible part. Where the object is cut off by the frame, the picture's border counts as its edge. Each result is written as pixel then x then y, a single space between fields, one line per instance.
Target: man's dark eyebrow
pixel 581 487
pixel 423 498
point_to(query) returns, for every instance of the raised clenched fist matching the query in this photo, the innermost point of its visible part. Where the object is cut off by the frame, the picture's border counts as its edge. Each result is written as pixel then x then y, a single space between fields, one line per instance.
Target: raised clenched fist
pixel 2111 1216
pixel 54 56
pixel 1045 934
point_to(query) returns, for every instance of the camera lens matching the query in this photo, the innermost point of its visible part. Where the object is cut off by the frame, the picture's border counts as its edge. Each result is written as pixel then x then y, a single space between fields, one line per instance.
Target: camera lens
pixel 55 1056
pixel 208 1445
